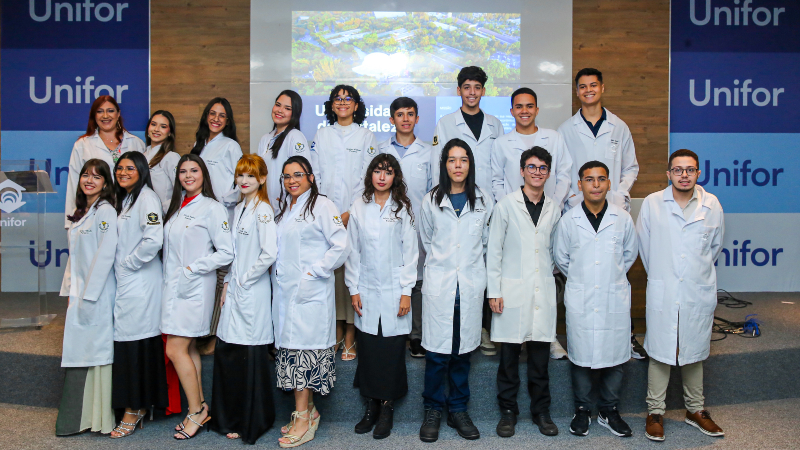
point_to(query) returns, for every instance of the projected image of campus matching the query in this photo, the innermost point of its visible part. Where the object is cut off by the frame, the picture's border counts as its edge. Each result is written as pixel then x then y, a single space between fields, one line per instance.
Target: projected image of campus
pixel 402 53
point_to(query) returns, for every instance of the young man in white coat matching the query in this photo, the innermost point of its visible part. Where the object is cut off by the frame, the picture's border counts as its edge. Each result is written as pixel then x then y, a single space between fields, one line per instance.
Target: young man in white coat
pixel 680 232
pixel 595 246
pixel 479 131
pixel 522 290
pixel 596 134
pixel 507 178
pixel 455 228
pixel 414 155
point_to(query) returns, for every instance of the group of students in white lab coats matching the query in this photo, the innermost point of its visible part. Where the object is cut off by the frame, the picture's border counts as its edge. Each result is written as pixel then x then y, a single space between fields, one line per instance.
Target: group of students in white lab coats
pixel 390 239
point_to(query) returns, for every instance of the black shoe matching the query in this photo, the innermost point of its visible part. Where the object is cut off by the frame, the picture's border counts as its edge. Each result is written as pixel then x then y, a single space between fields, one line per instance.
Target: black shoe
pixel 611 419
pixel 580 422
pixel 429 431
pixel 385 421
pixel 416 348
pixel 463 425
pixel 637 351
pixel 545 424
pixel 370 417
pixel 505 428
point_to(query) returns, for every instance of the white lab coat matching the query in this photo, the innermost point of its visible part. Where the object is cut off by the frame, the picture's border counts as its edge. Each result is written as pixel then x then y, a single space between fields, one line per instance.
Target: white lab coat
pixel 246 317
pixel 221 155
pixel 294 144
pixel 198 236
pixel 520 270
pixel 508 149
pixel 597 295
pixel 679 257
pixel 137 308
pixel 453 126
pixel 87 148
pixel 456 249
pixel 382 265
pixel 419 177
pixel 340 156
pixel 89 283
pixel 613 146
pixel 163 175
pixel 303 305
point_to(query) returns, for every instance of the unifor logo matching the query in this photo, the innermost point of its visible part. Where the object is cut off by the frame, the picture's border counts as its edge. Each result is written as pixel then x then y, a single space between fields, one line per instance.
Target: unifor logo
pixel 10 196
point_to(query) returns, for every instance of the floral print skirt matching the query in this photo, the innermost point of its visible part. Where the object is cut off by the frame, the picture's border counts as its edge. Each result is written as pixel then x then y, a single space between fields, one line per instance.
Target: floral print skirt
pixel 306 369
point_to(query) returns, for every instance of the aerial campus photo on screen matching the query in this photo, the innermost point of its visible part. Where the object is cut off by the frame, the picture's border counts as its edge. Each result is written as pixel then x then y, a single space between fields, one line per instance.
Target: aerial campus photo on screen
pixel 402 53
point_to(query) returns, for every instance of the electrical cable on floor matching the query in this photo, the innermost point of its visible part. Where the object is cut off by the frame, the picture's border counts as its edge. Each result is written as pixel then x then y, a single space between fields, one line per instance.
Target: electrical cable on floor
pixel 749 328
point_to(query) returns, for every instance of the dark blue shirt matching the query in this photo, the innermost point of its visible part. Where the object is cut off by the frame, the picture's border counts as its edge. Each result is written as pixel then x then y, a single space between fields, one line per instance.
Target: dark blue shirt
pixel 596 127
pixel 458 201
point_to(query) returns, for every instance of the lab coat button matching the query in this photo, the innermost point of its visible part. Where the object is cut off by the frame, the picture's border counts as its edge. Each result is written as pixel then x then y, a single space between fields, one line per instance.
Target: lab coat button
pixel 597 287
pixel 537 290
pixel 681 279
pixel 537 308
pixel 596 310
pixel 678 302
pixel 458 268
pixel 596 239
pixel 683 256
pixel 537 269
pixel 459 245
pixel 596 263
pixel 674 328
pixel 537 250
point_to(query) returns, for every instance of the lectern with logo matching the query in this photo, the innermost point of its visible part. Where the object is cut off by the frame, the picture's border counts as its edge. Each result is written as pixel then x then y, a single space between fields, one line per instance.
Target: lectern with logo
pixel 23 296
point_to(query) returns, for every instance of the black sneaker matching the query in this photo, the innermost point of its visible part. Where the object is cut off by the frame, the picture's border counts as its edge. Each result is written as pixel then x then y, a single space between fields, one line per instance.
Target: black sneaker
pixel 416 348
pixel 429 431
pixel 385 421
pixel 637 351
pixel 463 425
pixel 505 428
pixel 580 422
pixel 613 421
pixel 545 424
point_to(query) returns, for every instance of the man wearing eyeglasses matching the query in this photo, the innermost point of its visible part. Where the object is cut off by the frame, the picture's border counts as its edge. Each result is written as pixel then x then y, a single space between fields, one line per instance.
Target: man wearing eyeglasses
pixel 680 232
pixel 595 246
pixel 522 290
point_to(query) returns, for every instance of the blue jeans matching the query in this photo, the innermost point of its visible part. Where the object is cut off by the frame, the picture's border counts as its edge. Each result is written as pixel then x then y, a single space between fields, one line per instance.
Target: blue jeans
pixel 455 367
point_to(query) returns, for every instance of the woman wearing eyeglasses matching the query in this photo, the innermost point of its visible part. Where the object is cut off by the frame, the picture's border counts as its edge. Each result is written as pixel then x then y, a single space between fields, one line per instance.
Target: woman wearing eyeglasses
pixel 312 243
pixel 341 153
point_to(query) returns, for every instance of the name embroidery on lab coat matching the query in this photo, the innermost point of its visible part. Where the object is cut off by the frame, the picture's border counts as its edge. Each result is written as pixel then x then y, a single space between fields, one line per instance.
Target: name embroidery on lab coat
pixel 354 150
pixel 103 226
pixel 243 232
pixel 391 219
pixel 188 217
pixel 86 231
pixel 152 219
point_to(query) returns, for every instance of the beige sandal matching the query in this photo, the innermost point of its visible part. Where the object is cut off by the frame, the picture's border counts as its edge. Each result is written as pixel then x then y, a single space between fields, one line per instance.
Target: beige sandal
pixel 347 355
pixel 314 420
pixel 296 441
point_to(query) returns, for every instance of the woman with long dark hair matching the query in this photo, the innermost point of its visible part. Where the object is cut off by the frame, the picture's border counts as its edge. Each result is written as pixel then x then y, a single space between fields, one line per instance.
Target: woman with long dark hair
pixel 89 282
pixel 284 140
pixel 106 139
pixel 197 241
pixel 140 381
pixel 343 152
pixel 312 243
pixel 380 273
pixel 161 155
pixel 241 401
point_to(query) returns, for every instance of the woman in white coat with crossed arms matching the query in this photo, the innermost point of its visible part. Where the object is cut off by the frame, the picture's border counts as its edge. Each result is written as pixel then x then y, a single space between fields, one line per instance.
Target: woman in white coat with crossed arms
pixel 197 241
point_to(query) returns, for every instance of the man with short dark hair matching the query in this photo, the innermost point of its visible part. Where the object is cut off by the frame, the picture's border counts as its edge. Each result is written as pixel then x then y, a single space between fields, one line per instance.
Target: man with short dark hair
pixel 595 246
pixel 680 231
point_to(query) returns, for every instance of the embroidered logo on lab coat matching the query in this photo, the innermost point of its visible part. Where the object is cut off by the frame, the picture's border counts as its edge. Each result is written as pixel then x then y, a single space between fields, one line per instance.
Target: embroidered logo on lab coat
pixel 225 226
pixel 298 148
pixel 371 151
pixel 435 140
pixel 103 226
pixel 313 146
pixel 264 218
pixel 337 220
pixel 152 219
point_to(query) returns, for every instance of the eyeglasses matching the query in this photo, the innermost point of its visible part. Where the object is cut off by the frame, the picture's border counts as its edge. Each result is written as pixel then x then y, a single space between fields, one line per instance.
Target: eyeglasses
pixel 344 100
pixel 124 169
pixel 294 176
pixel 537 169
pixel 677 171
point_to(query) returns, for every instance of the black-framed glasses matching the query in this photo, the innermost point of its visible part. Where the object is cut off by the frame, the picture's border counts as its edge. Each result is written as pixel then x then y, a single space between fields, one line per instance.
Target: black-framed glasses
pixel 294 176
pixel 532 168
pixel 677 171
pixel 345 100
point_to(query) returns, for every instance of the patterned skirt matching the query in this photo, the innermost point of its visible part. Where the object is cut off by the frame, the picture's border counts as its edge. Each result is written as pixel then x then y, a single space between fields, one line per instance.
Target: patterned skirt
pixel 306 369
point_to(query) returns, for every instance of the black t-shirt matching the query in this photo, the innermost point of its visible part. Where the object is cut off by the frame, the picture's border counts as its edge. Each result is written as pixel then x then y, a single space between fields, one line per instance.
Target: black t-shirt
pixel 595 220
pixel 474 122
pixel 534 209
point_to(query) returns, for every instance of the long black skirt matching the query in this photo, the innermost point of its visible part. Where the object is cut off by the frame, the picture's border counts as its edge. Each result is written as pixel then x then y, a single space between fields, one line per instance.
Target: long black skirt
pixel 241 399
pixel 139 374
pixel 381 371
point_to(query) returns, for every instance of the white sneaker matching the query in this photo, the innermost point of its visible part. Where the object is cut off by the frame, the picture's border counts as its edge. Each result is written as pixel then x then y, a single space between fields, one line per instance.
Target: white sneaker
pixel 487 346
pixel 557 351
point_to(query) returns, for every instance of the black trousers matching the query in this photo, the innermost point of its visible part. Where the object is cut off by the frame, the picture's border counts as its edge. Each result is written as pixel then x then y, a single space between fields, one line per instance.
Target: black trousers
pixel 538 376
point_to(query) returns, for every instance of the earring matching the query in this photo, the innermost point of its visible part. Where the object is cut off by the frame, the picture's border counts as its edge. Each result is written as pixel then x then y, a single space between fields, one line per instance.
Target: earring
pixel 119 125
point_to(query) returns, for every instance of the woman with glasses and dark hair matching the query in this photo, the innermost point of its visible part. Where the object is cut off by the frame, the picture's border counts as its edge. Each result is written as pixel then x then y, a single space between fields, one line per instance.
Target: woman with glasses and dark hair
pixel 312 243
pixel 380 273
pixel 197 242
pixel 284 140
pixel 341 153
pixel 89 282
pixel 140 381
pixel 106 139
pixel 161 155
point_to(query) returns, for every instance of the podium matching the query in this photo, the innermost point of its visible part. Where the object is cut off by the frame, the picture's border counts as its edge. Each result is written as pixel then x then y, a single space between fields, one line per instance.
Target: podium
pixel 23 243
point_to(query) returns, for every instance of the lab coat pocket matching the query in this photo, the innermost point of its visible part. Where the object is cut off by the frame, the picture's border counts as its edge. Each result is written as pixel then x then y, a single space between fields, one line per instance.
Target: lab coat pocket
pixel 612 152
pixel 432 281
pixel 620 298
pixel 574 298
pixel 476 227
pixel 86 313
pixel 312 290
pixel 654 296
pixel 420 171
pixel 704 236
pixel 614 242
pixel 190 285
pixel 706 300
pixel 245 306
pixel 513 291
